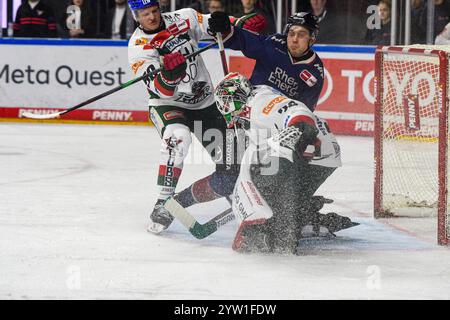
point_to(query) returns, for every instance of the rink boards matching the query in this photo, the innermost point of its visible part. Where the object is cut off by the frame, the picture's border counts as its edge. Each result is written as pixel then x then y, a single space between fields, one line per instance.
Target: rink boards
pixel 43 75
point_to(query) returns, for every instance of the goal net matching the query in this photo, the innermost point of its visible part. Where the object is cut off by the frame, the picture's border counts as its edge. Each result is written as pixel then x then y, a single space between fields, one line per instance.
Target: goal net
pixel 411 134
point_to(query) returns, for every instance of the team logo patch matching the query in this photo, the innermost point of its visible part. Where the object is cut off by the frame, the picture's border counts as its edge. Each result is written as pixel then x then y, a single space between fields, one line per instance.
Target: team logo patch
pixel 308 78
pixel 136 66
pixel 199 17
pixel 141 41
pixel 272 104
pixel 169 115
pixel 178 27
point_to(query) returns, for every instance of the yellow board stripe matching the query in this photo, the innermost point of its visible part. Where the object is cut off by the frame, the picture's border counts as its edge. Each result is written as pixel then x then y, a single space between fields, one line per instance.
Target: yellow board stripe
pixel 418 139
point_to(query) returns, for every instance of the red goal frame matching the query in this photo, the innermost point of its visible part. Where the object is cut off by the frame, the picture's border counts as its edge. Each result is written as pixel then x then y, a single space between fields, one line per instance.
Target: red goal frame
pixel 442 237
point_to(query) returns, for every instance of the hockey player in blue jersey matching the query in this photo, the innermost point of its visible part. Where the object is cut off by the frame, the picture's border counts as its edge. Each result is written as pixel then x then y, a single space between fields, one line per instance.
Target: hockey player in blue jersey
pixel 285 61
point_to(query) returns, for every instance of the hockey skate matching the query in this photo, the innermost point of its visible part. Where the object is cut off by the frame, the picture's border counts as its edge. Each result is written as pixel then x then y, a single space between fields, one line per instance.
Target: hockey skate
pixel 316 224
pixel 326 225
pixel 160 219
pixel 334 222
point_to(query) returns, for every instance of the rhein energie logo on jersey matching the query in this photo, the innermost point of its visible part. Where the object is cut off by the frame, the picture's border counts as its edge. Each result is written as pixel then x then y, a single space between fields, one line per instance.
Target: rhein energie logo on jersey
pixel 283 82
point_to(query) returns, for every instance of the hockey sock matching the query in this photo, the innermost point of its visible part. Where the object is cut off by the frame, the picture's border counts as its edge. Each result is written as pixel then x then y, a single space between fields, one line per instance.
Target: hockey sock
pixel 169 172
pixel 167 180
pixel 200 191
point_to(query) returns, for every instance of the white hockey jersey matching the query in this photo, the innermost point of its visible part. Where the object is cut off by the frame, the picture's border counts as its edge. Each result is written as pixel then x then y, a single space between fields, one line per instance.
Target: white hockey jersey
pixel 443 38
pixel 269 112
pixel 184 29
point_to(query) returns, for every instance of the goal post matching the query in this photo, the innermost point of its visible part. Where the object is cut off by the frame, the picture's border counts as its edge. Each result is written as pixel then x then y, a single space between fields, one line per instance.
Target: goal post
pixel 411 134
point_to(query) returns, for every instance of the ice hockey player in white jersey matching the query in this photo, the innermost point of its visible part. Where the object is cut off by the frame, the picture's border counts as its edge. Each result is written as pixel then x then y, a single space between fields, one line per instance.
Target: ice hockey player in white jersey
pixel 179 95
pixel 291 153
pixel 443 38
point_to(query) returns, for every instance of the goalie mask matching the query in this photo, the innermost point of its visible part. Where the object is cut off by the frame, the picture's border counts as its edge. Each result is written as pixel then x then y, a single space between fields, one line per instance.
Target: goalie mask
pixel 231 96
pixel 136 5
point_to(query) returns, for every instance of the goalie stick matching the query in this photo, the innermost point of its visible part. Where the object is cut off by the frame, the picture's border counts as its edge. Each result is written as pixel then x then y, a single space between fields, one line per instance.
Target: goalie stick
pixel 200 231
pixel 54 115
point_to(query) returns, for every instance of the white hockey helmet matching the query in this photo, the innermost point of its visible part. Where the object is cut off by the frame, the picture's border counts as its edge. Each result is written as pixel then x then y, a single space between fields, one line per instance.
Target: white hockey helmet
pixel 231 96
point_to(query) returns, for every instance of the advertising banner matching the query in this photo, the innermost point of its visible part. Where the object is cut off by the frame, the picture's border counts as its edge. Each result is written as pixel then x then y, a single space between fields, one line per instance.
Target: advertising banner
pixel 53 77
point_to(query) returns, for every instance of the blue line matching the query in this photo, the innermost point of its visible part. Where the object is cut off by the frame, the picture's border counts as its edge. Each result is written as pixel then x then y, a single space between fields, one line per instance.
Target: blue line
pixel 124 43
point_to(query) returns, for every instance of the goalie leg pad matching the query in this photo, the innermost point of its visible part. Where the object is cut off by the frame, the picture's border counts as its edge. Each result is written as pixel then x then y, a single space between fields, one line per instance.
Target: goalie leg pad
pixel 253 237
pixel 267 236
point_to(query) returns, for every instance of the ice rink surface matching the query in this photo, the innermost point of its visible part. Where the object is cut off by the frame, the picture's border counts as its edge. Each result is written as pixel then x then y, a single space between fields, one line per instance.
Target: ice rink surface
pixel 74 202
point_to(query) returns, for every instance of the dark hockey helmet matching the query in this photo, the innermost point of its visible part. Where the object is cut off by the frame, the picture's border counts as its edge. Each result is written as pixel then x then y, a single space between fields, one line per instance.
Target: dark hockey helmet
pixel 136 5
pixel 304 19
pixel 231 96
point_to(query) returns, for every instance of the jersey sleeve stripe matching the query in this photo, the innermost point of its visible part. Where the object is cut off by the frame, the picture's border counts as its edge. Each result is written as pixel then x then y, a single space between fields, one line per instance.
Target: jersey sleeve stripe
pixel 301 118
pixel 163 87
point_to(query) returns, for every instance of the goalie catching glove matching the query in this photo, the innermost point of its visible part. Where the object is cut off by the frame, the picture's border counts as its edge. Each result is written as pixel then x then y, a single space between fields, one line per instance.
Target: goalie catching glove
pixel 299 139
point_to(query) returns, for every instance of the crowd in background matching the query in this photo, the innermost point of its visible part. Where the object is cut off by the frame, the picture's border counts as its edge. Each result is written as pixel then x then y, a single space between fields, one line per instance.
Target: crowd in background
pixel 340 21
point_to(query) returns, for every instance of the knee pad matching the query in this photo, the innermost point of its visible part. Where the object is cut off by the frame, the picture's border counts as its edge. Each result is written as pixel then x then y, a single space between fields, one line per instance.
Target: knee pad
pixel 176 141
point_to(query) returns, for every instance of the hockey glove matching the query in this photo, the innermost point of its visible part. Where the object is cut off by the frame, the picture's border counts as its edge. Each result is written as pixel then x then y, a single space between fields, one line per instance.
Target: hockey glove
pixel 219 22
pixel 308 144
pixel 300 139
pixel 174 68
pixel 255 22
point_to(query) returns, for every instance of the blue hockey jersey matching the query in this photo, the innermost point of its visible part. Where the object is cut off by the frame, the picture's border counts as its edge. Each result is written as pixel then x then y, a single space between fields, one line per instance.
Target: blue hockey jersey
pixel 302 81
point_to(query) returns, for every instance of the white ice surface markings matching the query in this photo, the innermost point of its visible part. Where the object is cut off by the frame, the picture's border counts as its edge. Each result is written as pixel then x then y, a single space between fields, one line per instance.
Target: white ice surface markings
pixel 68 165
pixel 82 235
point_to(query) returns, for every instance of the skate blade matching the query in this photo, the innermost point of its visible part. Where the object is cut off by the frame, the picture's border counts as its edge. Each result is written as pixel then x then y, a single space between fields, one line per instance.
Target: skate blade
pixel 351 225
pixel 155 228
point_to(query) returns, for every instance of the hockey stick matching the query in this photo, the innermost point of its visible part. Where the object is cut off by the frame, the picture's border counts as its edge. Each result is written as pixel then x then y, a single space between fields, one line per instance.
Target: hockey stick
pixel 107 93
pixel 200 231
pixel 223 57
